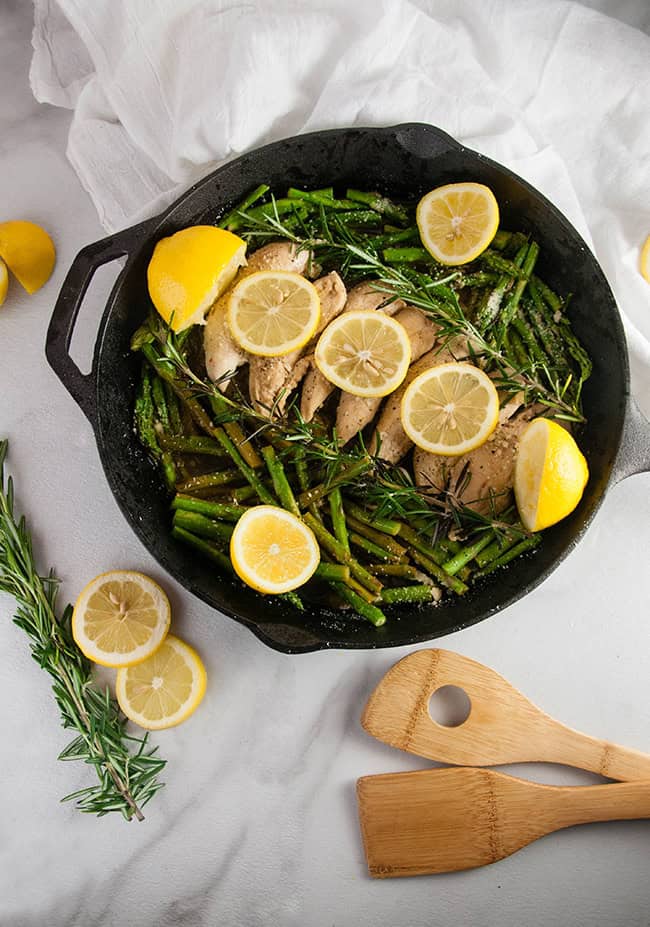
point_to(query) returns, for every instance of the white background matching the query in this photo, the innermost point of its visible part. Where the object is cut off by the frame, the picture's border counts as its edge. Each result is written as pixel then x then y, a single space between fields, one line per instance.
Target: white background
pixel 257 823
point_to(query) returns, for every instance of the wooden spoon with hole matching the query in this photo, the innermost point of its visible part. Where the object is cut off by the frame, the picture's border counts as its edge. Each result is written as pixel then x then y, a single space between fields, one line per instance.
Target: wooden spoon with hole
pixel 503 726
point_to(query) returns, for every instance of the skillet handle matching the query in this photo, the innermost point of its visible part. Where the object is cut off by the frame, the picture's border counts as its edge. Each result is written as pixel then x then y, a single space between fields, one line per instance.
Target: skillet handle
pixel 424 141
pixel 82 387
pixel 634 451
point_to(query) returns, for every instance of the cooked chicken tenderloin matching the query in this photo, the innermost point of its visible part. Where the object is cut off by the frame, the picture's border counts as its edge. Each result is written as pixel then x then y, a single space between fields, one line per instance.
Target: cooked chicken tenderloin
pixel 317 388
pixel 222 354
pixel 483 479
pixel 355 412
pixel 269 375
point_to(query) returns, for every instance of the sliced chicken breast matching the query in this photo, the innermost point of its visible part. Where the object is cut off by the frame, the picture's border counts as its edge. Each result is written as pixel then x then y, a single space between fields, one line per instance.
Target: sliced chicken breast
pixel 222 354
pixel 366 296
pixel 317 388
pixel 390 440
pixel 355 412
pixel 483 479
pixel 269 375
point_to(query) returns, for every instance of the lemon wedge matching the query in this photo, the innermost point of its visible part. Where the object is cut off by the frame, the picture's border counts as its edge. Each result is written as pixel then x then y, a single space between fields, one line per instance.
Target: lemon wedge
pixel 28 251
pixel 458 221
pixel 272 312
pixel 163 690
pixel 120 618
pixel 450 409
pixel 644 260
pixel 365 353
pixel 550 474
pixel 189 270
pixel 4 281
pixel 272 550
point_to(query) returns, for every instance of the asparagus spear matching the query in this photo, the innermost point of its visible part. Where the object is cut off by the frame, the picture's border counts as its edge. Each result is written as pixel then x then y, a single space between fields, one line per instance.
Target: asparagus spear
pixel 204 527
pixel 435 570
pixel 406 255
pixel 346 475
pixel 510 309
pixel 182 444
pixel 209 480
pixel 463 557
pixel 338 551
pixel 280 482
pixel 520 548
pixel 333 571
pixel 236 433
pixel 204 507
pixel 401 570
pixel 384 542
pixel 338 518
pixel 205 547
pixel 402 595
pixel 381 204
pixel 370 517
pixel 371 548
pixel 232 220
pixel 365 609
pixel 144 414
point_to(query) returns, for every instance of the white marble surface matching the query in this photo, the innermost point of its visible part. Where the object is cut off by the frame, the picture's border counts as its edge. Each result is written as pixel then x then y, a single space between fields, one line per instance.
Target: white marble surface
pixel 257 824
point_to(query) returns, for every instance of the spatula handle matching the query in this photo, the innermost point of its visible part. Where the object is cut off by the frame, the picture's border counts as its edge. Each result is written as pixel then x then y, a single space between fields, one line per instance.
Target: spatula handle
pixel 619 801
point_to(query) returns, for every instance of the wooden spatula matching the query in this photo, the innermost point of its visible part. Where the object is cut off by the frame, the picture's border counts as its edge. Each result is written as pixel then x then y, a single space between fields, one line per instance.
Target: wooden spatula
pixel 502 726
pixel 441 820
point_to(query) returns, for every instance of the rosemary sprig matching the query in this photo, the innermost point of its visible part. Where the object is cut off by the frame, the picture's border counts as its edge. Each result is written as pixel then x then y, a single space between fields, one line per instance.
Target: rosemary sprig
pixel 127 767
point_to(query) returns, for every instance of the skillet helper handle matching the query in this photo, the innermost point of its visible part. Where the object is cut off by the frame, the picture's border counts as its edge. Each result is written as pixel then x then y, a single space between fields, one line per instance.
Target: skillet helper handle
pixel 82 387
pixel 634 452
pixel 424 141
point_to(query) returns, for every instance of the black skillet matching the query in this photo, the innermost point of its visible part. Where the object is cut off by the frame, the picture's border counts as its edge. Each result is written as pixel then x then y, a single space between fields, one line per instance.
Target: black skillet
pixel 404 161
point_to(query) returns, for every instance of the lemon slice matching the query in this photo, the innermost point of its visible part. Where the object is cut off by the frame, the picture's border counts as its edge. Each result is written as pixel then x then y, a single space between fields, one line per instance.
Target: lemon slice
pixel 365 353
pixel 644 260
pixel 450 409
pixel 163 690
pixel 272 550
pixel 550 474
pixel 4 281
pixel 120 618
pixel 458 221
pixel 273 312
pixel 190 270
pixel 28 251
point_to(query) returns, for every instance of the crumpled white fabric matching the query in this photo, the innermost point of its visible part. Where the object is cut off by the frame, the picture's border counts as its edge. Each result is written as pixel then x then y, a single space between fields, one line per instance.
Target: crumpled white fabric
pixel 165 90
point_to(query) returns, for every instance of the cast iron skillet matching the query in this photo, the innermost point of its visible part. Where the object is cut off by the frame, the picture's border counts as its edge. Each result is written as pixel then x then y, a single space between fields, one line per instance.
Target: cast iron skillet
pixel 404 160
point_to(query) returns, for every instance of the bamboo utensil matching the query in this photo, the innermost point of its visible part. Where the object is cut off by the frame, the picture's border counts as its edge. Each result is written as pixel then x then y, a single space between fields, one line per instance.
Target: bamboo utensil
pixel 503 726
pixel 442 820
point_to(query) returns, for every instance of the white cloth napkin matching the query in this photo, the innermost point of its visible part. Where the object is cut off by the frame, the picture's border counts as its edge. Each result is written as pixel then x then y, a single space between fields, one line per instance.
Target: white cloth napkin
pixel 165 90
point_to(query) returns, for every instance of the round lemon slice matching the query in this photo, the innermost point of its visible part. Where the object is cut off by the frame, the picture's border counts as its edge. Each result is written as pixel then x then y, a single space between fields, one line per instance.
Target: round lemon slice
pixel 28 251
pixel 4 281
pixel 450 409
pixel 550 474
pixel 458 221
pixel 365 353
pixel 164 690
pixel 272 550
pixel 273 312
pixel 189 270
pixel 120 618
pixel 644 260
